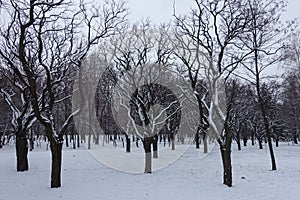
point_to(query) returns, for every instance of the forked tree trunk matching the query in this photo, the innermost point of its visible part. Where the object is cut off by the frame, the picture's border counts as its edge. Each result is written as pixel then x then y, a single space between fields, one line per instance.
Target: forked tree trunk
pixel 22 152
pixel 148 157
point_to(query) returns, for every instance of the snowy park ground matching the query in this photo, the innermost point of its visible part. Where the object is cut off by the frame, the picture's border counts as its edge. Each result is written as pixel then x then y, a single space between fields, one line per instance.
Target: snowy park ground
pixel 189 177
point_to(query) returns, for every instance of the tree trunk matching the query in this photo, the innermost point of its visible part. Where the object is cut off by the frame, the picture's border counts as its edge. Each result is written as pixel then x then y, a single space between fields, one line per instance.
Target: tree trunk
pixel 56 152
pixel 78 141
pixel 227 169
pixel 295 139
pixel 263 110
pixel 260 144
pixel 148 158
pixel 82 138
pixel 97 138
pixel 155 146
pixel 89 140
pixel 205 145
pixel 137 142
pixel 226 156
pixel 22 153
pixel 127 143
pixel 245 141
pixel 173 143
pixel 252 139
pixel 197 138
pixel 67 141
pixel 74 140
pixel 31 141
pixel 238 141
pixel 277 142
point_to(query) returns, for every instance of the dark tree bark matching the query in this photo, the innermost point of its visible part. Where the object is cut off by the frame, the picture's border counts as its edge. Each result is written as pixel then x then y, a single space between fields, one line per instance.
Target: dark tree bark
pixel 56 152
pixel 0 141
pixel 238 140
pixel 172 142
pixel 22 152
pixel 225 149
pixel 245 139
pixel 128 144
pixel 66 139
pixel 295 139
pixel 252 139
pixel 260 143
pixel 155 146
pixel 148 157
pixel 31 141
pixel 97 138
pixel 137 142
pixel 197 140
pixel 263 109
pixel 205 145
pixel 78 140
pixel 89 140
pixel 277 142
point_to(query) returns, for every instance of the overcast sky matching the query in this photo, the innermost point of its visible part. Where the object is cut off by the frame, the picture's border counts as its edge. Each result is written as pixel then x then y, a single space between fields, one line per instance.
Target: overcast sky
pixel 162 10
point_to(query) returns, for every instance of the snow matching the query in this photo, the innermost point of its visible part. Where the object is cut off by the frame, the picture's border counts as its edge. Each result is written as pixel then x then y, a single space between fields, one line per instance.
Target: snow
pixel 189 177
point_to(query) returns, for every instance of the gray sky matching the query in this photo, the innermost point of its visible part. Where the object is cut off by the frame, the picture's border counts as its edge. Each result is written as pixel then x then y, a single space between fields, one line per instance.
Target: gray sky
pixel 162 10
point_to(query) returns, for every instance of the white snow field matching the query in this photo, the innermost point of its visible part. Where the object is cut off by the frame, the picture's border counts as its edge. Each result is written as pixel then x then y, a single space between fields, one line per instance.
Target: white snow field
pixel 188 178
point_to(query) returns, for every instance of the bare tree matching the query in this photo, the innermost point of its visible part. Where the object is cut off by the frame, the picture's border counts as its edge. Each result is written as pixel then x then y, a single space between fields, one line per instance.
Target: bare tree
pixel 17 97
pixel 139 77
pixel 266 38
pixel 45 41
pixel 210 32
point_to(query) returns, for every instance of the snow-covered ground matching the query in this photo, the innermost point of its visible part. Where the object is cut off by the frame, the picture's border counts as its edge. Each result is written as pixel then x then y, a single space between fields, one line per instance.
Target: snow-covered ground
pixel 188 178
